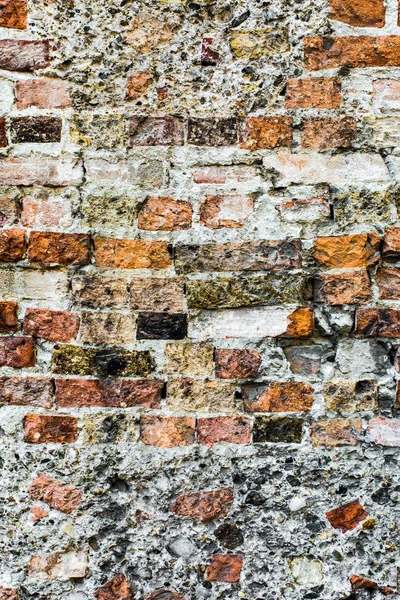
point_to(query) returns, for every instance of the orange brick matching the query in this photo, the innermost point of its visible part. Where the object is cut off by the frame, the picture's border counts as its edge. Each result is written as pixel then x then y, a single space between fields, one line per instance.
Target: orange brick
pixel 17 352
pixel 9 316
pixel 324 133
pixel 163 213
pixel 266 132
pixel 42 93
pixel 358 13
pixel 59 248
pixel 391 245
pixel 12 245
pixel 301 323
pixel 229 210
pixel 13 14
pixel 50 429
pixel 54 325
pixel 336 432
pixel 56 494
pixel 116 589
pixel 381 322
pixel 167 432
pixel 353 287
pixel 131 254
pixel 347 517
pixel 204 506
pixel 291 396
pixel 138 84
pixel 225 568
pixel 345 251
pixel 319 92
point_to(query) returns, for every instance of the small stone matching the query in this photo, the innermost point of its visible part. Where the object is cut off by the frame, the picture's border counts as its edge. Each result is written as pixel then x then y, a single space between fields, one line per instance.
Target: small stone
pixel 60 566
pixel 204 506
pixel 347 517
pixel 56 494
pixel 118 588
pixel 229 535
pixel 305 571
pixel 225 568
pixel 138 84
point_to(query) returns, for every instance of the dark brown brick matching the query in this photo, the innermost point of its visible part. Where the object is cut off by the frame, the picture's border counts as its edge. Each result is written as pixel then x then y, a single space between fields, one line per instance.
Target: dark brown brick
pixel 213 132
pixel 35 129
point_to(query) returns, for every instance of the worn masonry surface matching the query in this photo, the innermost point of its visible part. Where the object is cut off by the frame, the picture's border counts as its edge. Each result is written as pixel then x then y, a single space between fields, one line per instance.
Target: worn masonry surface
pixel 200 299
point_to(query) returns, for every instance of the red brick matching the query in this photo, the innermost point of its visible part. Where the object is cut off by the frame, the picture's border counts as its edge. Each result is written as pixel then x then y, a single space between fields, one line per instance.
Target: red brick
pixel 118 588
pixel 229 210
pixel 118 393
pixel 382 322
pixel 361 583
pixel 237 364
pixel 13 14
pixel 232 430
pixel 17 352
pixel 39 513
pixel 204 506
pixel 42 92
pixel 209 57
pixel 358 13
pixel 131 254
pixel 50 429
pixel 56 494
pixel 12 245
pixel 388 281
pixel 54 325
pixel 391 245
pixel 346 251
pixel 167 432
pixel 347 517
pixel 164 594
pixel 336 289
pixel 156 131
pixel 138 84
pixel 336 432
pixel 354 52
pixel 9 316
pixel 31 391
pixel 3 135
pixel 8 594
pixel 23 55
pixel 266 132
pixel 385 432
pixel 59 248
pixel 288 396
pixel 324 133
pixel 225 568
pixel 163 213
pixel 319 92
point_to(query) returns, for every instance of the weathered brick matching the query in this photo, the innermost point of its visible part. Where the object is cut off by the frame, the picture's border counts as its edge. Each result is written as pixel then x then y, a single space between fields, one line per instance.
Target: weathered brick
pixel 391 245
pixel 163 213
pixel 225 568
pixel 35 129
pixel 182 358
pixel 228 210
pixel 208 56
pixel 336 432
pixel 358 13
pixel 12 245
pixel 350 396
pixel 42 93
pixel 23 55
pixel 131 254
pixel 13 14
pixel 356 168
pixel 319 92
pixel 161 326
pixel 275 429
pixel 195 395
pixel 237 364
pixel 117 588
pixel 100 291
pixel 145 34
pixel 259 255
pixel 271 289
pixel 216 430
pixel 120 393
pixel 307 210
pixel 3 134
pixel 107 362
pixel 38 212
pixel 383 322
pixel 165 594
pixel 156 131
pixel 204 506
pixel 388 281
pixel 148 172
pixel 258 43
pixel 107 208
pixel 59 248
pixel 8 211
pixel 9 316
pixel 345 251
pixel 380 132
pixel 347 517
pixel 222 175
pixel 385 432
pixel 138 84
pixel 294 396
pixel 107 328
pixel 99 130
pixel 17 352
pixel 40 171
pixel 355 52
pixel 29 391
pixel 324 133
pixel 304 360
pixel 8 593
pixel 111 427
pixel 213 132
pixel 386 95
pixel 167 432
pixel 54 325
pixel 261 133
pixel 353 287
pixel 60 566
pixel 56 494
pixel 361 583
pixel 50 429
pixel 354 206
pixel 160 295
pixel 260 322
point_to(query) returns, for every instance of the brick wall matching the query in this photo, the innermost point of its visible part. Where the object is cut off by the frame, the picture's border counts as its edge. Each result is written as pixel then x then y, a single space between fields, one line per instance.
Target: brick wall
pixel 200 285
